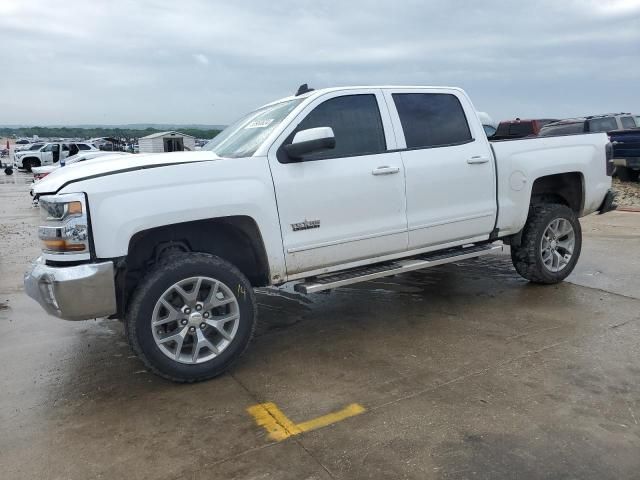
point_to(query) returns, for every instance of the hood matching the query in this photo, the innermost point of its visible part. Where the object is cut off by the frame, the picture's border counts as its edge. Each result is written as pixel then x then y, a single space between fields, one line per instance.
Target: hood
pixel 111 165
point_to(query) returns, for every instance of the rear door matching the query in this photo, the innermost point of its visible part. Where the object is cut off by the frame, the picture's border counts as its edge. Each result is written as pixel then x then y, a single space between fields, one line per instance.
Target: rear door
pixel 64 152
pixel 449 167
pixel 344 204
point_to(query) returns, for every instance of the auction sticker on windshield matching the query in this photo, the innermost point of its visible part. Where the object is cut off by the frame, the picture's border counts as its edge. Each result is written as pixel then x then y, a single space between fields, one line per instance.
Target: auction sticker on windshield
pixel 259 123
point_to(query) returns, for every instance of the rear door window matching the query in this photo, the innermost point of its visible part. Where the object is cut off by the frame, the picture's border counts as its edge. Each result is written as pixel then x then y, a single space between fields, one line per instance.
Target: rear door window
pixel 521 129
pixel 83 146
pixel 628 122
pixel 432 119
pixel 604 124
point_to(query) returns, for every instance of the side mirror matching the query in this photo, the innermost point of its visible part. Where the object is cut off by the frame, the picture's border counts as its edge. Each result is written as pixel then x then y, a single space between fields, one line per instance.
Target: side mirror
pixel 309 141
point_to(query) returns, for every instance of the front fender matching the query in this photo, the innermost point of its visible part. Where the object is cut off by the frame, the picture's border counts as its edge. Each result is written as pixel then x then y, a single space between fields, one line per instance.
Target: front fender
pixel 123 204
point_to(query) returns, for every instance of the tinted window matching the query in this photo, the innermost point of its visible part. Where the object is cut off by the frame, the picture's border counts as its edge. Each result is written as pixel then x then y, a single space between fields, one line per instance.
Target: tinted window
pixel 562 129
pixel 602 124
pixel 82 146
pixel 431 119
pixel 521 129
pixel 356 124
pixel 628 122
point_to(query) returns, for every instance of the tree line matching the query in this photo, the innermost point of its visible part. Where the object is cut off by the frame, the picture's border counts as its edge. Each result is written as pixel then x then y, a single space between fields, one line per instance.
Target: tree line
pixel 86 133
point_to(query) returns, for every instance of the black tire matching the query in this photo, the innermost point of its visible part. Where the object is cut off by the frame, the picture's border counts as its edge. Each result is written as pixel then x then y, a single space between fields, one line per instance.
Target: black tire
pixel 29 163
pixel 527 257
pixel 627 174
pixel 175 268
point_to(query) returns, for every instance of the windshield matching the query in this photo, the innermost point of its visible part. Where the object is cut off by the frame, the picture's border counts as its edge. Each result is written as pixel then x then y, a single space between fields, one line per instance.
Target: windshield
pixel 243 138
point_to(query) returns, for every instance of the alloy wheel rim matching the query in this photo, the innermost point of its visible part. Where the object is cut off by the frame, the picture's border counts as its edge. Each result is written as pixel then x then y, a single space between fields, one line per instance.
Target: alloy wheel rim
pixel 557 245
pixel 195 320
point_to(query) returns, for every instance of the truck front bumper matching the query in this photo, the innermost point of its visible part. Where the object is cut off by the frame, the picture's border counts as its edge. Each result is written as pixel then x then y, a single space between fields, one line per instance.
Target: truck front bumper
pixel 79 292
pixel 608 202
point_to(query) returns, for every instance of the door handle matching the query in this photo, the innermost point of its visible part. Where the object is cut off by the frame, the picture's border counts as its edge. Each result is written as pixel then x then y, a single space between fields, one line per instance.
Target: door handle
pixel 385 170
pixel 477 159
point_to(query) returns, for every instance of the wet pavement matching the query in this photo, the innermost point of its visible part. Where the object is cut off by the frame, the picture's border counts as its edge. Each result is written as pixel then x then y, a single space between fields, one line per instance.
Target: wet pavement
pixel 464 371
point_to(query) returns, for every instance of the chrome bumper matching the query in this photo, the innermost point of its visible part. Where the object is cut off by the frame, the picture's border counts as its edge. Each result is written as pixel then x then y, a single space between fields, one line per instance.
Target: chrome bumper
pixel 73 293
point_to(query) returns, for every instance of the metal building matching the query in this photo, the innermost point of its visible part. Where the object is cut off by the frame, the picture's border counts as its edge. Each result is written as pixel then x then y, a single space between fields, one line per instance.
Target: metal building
pixel 166 142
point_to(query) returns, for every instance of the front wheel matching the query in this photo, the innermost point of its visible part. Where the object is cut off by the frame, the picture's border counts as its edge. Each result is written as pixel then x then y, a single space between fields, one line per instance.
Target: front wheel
pixel 551 244
pixel 191 317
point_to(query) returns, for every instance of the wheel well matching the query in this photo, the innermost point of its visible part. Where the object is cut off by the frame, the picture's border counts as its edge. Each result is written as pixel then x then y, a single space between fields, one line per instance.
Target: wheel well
pixel 33 160
pixel 236 239
pixel 564 188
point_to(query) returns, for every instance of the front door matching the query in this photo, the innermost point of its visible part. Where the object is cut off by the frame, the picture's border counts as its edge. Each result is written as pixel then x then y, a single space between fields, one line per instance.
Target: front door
pixel 46 155
pixel 55 149
pixel 451 190
pixel 343 204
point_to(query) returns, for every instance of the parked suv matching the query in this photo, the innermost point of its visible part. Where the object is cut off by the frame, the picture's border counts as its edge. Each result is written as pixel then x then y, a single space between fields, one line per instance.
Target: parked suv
pixel 591 124
pixel 520 128
pixel 49 154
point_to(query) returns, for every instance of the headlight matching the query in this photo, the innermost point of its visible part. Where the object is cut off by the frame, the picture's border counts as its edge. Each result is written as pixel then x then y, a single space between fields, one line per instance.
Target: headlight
pixel 65 227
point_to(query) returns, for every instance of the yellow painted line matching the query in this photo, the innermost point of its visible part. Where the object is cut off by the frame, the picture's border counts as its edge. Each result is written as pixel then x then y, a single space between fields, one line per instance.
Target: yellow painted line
pixel 349 411
pixel 279 427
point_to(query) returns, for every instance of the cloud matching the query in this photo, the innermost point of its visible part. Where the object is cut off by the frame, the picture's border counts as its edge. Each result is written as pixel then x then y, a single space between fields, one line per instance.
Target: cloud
pixel 87 62
pixel 201 58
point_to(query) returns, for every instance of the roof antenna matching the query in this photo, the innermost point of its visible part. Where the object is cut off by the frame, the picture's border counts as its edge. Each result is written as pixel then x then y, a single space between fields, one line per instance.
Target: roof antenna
pixel 302 89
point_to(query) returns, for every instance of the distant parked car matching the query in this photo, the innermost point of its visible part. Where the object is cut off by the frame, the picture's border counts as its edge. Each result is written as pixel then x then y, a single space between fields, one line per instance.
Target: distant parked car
pixel 23 141
pixel 28 146
pixel 594 123
pixel 50 153
pixel 519 128
pixel 626 153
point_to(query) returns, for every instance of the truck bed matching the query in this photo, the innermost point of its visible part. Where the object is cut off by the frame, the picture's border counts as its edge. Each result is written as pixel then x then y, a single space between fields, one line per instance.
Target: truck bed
pixel 519 160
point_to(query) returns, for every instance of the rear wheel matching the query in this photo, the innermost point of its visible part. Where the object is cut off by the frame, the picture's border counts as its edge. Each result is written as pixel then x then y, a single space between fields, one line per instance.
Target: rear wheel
pixel 191 317
pixel 551 244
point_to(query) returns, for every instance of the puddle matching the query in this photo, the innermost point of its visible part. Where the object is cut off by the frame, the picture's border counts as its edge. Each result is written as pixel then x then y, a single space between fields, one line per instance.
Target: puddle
pixel 18 178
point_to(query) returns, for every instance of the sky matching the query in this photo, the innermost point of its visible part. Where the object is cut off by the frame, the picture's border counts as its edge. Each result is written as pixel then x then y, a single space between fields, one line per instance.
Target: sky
pixel 209 62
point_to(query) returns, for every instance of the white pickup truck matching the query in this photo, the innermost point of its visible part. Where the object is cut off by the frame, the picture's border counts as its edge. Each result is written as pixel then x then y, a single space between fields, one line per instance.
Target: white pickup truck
pixel 322 189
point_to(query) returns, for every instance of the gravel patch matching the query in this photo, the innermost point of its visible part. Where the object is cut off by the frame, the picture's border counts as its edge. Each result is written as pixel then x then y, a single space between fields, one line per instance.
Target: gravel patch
pixel 628 193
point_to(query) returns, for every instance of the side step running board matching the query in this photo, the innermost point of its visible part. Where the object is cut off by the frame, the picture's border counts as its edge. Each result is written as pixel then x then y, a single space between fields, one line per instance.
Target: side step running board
pixel 385 269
